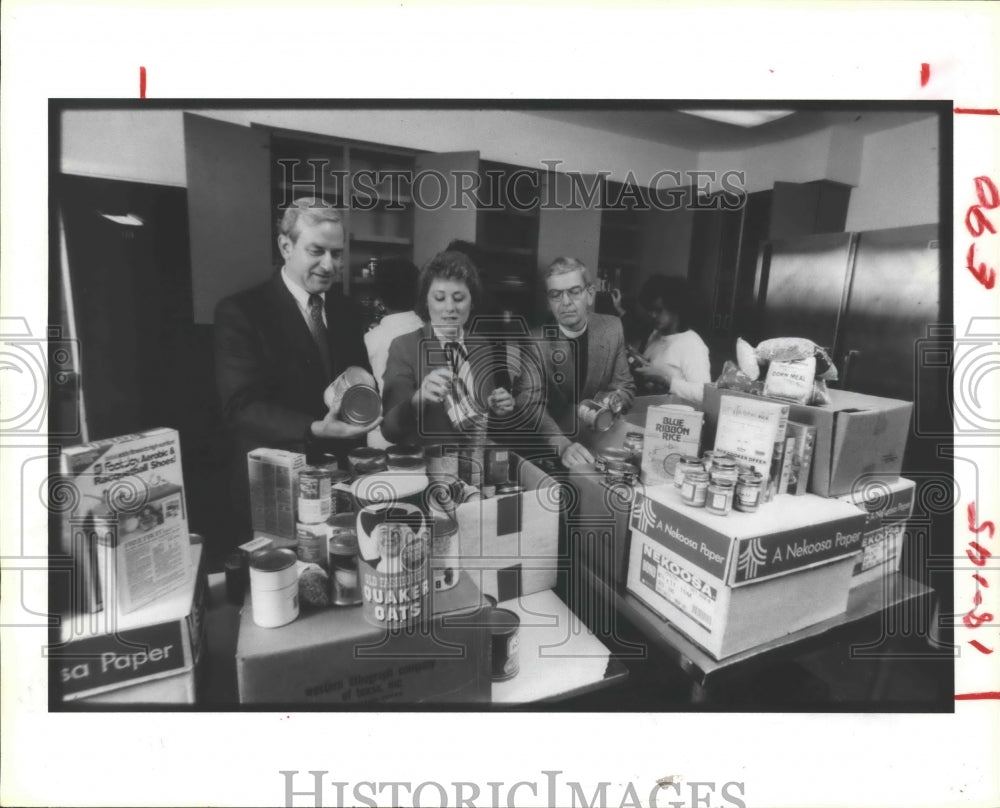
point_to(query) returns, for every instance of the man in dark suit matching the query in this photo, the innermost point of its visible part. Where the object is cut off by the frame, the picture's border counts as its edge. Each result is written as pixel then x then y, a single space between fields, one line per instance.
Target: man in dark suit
pixel 279 344
pixel 583 356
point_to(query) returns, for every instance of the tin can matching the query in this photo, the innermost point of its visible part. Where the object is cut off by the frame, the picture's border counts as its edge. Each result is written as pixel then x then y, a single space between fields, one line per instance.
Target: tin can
pixel 445 555
pixel 615 472
pixel 720 497
pixel 497 466
pixel 595 416
pixel 405 457
pixel 605 456
pixel 315 497
pixel 345 581
pixel 442 463
pixel 393 555
pixel 312 543
pixel 685 464
pixel 601 459
pixel 367 460
pixel 274 588
pixel 748 492
pixel 504 630
pixel 508 488
pixel 633 446
pixel 354 397
pixel 694 490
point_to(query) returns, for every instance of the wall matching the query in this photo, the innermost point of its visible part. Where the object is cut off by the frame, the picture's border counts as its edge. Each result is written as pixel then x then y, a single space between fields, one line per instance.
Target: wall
pixel 148 146
pixel 899 179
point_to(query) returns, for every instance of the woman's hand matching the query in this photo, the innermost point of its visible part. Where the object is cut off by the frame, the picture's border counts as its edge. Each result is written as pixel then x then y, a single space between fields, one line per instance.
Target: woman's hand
pixel 501 402
pixel 435 386
pixel 656 376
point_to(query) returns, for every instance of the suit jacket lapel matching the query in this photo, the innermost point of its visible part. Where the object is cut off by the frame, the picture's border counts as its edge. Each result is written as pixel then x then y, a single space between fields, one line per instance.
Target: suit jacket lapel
pixel 294 324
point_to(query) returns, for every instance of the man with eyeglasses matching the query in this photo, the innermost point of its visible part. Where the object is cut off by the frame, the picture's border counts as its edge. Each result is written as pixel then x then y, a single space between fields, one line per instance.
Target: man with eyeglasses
pixel 583 357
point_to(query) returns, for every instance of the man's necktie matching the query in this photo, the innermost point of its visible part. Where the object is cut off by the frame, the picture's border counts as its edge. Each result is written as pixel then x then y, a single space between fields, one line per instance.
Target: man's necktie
pixel 318 330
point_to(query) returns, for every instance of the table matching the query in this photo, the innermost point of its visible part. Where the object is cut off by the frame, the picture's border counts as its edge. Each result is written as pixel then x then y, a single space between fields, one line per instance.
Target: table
pixel 865 603
pixel 550 635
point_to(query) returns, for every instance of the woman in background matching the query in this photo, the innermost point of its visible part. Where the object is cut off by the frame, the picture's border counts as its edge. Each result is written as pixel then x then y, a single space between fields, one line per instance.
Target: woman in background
pixel 675 359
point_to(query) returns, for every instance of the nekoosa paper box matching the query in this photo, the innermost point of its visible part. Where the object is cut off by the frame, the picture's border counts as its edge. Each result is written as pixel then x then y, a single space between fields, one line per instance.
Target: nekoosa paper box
pixel 855 435
pixel 149 655
pixel 886 504
pixel 335 656
pixel 734 582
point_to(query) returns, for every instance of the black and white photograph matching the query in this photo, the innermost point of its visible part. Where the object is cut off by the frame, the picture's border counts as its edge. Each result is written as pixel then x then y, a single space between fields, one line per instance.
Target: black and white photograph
pixel 454 444
pixel 577 406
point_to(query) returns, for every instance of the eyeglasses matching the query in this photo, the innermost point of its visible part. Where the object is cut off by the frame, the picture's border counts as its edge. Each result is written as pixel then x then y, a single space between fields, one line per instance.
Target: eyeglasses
pixel 555 295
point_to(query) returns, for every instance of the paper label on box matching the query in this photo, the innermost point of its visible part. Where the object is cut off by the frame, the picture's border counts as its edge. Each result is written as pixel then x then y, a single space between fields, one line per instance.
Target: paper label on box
pixel 677 584
pixel 710 550
pixel 763 556
pixel 110 660
pixel 879 547
pixel 671 432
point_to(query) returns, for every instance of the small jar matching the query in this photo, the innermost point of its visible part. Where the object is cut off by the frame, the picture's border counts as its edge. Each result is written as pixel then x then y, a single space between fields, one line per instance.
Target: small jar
pixel 749 489
pixel 343 547
pixel 630 473
pixel 694 490
pixel 724 468
pixel 601 459
pixel 633 446
pixel 684 465
pixel 367 460
pixel 720 497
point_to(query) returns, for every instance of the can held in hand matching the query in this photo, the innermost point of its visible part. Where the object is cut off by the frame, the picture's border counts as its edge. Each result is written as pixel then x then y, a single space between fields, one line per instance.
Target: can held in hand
pixel 354 397
pixel 505 629
pixel 597 417
pixel 274 588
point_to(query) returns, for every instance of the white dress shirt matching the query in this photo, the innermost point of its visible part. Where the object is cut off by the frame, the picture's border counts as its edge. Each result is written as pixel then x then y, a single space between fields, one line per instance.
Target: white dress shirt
pixel 302 299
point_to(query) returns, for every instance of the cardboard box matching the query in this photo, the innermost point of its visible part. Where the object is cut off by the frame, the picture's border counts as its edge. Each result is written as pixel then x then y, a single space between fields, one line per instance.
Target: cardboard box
pixel 734 582
pixel 335 657
pixel 510 544
pixel 125 524
pixel 856 435
pixel 886 504
pixel 149 655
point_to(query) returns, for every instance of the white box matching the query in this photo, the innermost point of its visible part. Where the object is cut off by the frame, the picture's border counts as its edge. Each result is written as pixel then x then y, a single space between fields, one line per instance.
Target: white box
pixel 274 493
pixel 734 582
pixel 512 541
pixel 149 655
pixel 125 522
pixel 886 504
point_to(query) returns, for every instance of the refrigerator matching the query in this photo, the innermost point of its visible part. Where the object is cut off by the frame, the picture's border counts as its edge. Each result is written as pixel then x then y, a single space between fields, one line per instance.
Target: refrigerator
pixel 868 298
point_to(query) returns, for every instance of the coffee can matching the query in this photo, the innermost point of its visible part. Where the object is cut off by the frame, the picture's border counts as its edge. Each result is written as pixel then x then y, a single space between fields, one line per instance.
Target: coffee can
pixel 274 588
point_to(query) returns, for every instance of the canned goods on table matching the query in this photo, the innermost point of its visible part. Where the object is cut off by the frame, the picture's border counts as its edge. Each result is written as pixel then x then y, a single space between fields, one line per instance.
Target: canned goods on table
pixel 312 542
pixel 315 495
pixel 343 547
pixel 274 588
pixel 609 455
pixel 504 629
pixel 367 460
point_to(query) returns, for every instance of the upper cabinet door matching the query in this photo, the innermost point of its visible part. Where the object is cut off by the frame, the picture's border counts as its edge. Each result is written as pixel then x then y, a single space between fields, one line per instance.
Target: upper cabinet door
pixel 229 216
pixel 439 216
